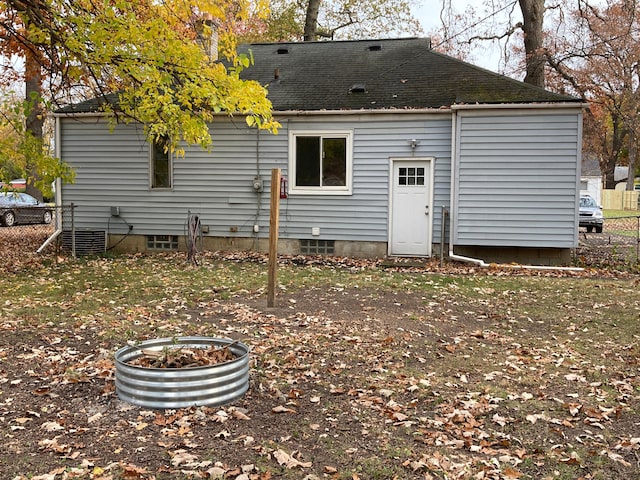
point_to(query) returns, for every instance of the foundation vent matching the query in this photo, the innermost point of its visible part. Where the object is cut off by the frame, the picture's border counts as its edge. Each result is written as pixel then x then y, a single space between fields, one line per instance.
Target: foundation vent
pixel 87 242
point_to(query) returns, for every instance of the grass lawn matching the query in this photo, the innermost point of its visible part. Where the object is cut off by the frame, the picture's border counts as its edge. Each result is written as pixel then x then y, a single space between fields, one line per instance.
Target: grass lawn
pixel 620 213
pixel 361 371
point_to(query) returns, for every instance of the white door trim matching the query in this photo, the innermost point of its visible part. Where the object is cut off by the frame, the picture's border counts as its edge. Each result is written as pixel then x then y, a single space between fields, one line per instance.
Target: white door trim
pixel 429 164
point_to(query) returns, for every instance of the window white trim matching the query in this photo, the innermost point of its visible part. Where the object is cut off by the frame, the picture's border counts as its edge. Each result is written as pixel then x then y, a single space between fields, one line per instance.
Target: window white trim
pixel 321 190
pixel 152 148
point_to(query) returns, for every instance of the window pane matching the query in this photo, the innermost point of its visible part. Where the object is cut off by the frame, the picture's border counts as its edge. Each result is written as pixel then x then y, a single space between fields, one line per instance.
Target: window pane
pixel 308 161
pixel 334 161
pixel 160 163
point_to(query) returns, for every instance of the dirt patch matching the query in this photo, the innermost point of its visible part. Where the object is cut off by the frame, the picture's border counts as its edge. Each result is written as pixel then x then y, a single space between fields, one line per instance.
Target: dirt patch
pixel 345 383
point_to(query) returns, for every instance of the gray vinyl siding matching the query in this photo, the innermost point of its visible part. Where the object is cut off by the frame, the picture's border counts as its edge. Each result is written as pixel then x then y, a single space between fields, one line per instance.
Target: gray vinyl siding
pixel 516 179
pixel 112 169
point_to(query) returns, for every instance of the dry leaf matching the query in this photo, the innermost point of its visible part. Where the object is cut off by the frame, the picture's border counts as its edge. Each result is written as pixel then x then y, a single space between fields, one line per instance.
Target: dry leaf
pixel 282 409
pixel 181 457
pixel 511 473
pixel 51 426
pixel 239 415
pixel 289 461
pixel 94 418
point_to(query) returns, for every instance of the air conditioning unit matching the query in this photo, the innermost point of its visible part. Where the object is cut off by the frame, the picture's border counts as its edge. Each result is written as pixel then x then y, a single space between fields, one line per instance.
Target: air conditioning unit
pixel 87 242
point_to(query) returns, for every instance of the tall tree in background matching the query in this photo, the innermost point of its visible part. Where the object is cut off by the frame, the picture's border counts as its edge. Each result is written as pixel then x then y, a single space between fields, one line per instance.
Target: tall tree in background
pixel 611 68
pixel 533 39
pixel 312 20
pixel 25 148
pixel 587 48
pixel 143 53
pixel 598 56
pixel 508 22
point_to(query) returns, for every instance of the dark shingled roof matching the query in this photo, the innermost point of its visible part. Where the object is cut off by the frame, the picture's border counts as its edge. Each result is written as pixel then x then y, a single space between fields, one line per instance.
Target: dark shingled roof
pixel 370 75
pixel 91 105
pixel 379 74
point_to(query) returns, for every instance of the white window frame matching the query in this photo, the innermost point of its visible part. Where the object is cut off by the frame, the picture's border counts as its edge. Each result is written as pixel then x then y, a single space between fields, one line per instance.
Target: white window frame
pixel 346 189
pixel 152 148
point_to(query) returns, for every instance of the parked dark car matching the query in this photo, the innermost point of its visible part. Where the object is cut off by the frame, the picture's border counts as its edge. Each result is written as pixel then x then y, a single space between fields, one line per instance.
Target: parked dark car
pixel 591 214
pixel 20 208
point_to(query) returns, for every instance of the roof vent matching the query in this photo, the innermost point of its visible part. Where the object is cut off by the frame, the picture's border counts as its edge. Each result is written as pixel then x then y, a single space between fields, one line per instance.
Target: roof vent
pixel 358 88
pixel 375 48
pixel 282 51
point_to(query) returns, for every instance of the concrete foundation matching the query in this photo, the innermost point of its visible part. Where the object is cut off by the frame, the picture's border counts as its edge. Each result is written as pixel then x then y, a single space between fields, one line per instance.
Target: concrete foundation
pixel 521 255
pixel 342 248
pixel 138 243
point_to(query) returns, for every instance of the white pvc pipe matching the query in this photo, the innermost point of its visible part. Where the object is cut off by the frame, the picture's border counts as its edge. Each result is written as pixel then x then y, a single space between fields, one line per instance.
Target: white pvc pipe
pixel 58 193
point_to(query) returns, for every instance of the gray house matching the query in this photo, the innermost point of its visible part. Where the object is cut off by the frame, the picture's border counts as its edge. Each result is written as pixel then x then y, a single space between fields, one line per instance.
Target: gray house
pixel 379 139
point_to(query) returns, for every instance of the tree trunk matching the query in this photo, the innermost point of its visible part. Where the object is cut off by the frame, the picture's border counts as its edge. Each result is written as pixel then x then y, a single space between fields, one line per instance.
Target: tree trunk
pixel 533 15
pixel 632 162
pixel 35 119
pixel 608 165
pixel 311 21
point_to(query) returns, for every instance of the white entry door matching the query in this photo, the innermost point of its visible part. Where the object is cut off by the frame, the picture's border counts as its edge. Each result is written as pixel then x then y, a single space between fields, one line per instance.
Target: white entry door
pixel 411 210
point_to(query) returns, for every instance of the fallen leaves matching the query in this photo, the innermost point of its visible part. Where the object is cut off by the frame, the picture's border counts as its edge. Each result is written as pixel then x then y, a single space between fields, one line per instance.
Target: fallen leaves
pixel 408 374
pixel 180 357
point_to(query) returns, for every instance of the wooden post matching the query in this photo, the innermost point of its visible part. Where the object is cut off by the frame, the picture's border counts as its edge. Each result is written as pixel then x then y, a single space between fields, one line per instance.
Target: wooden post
pixel 274 217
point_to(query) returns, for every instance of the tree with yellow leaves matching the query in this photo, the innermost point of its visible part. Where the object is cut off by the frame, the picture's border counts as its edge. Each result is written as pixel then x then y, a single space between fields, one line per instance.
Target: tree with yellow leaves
pixel 145 60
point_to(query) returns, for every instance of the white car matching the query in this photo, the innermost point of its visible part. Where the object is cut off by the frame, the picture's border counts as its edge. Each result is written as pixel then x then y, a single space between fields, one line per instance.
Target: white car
pixel 591 214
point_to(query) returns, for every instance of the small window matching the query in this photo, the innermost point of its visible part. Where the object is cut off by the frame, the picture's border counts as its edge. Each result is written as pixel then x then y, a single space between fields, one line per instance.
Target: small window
pixel 409 176
pixel 317 247
pixel 162 242
pixel 161 165
pixel 320 162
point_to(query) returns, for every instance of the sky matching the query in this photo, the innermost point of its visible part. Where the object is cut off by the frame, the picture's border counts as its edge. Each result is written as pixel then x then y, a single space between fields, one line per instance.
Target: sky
pixel 428 13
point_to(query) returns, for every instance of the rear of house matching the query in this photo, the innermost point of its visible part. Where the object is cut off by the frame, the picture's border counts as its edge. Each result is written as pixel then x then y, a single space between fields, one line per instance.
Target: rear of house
pixel 399 151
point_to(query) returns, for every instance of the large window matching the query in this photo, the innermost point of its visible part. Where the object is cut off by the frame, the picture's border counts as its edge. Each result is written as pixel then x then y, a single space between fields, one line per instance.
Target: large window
pixel 160 164
pixel 320 162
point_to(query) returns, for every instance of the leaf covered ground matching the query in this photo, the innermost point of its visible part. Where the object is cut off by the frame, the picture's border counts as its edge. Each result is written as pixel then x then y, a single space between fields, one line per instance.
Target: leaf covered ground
pixel 363 370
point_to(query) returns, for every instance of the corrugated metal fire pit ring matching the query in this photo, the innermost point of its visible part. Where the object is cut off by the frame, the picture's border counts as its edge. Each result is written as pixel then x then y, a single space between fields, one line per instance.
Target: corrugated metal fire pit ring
pixel 209 385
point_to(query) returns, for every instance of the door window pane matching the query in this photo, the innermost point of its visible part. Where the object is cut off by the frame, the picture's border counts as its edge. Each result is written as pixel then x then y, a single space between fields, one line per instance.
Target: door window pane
pixel 411 176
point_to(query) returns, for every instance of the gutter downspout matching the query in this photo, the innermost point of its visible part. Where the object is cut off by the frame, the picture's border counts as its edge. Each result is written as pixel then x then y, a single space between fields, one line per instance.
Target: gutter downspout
pixel 453 211
pixel 58 193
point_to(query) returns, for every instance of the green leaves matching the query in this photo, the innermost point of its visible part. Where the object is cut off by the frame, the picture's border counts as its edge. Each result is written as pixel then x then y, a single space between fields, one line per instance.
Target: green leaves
pixel 22 154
